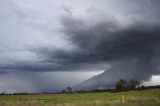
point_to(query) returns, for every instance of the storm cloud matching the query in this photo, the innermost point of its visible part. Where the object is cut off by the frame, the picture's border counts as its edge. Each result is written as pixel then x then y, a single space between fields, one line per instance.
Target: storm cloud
pixel 51 36
pixel 101 40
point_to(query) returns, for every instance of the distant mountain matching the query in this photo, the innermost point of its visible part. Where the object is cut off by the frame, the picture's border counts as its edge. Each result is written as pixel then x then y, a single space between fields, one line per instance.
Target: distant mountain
pixel 137 70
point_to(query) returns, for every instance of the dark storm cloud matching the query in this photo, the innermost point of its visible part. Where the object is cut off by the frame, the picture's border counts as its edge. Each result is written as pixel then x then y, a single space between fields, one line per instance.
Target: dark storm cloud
pixel 102 42
pixel 107 39
pixel 98 38
pixel 43 43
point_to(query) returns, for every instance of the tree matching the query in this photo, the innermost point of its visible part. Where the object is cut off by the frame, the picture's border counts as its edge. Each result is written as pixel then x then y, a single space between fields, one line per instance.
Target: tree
pixel 69 89
pixel 121 85
pixel 143 87
pixel 133 84
pixel 63 91
pixel 2 93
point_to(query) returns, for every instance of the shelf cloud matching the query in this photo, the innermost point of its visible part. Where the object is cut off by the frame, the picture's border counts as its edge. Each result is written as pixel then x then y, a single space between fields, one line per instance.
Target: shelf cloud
pixel 53 36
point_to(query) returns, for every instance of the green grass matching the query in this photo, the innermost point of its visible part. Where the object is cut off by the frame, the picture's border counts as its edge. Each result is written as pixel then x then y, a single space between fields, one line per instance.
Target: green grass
pixel 132 98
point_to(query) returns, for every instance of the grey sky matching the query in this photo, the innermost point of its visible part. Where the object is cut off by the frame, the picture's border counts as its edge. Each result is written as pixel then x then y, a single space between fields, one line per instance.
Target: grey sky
pixel 67 35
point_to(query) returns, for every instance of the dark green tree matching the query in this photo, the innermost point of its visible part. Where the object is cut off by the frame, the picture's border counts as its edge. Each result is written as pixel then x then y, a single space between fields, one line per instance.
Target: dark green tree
pixel 121 85
pixel 133 84
pixel 63 91
pixel 69 89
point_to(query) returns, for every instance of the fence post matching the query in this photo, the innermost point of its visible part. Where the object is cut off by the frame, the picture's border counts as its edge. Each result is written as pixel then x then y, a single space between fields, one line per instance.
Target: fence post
pixel 122 99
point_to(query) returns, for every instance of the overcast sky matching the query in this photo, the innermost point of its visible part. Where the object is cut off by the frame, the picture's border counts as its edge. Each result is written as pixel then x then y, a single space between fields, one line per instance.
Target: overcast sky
pixel 55 43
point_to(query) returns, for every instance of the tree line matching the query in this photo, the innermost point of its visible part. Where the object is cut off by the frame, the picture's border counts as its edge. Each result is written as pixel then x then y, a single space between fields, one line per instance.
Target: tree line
pixel 123 85
pixel 120 85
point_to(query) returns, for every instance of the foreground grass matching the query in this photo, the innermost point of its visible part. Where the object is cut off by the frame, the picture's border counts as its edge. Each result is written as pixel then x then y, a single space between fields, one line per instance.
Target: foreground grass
pixel 132 98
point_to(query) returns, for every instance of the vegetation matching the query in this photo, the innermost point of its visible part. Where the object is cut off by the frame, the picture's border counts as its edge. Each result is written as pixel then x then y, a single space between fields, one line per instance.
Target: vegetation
pixel 123 85
pixel 149 97
pixel 126 94
pixel 133 84
pixel 69 89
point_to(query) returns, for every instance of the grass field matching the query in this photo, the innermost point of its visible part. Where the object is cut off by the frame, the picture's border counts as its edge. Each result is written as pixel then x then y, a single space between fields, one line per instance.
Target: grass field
pixel 132 98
